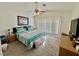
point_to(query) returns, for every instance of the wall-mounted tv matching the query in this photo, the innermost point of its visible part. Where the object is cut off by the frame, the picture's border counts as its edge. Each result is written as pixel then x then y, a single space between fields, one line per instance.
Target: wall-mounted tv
pixel 22 21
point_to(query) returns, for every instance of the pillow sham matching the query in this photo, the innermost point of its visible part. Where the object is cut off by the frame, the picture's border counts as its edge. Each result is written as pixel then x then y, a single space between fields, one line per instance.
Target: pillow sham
pixel 31 28
pixel 20 29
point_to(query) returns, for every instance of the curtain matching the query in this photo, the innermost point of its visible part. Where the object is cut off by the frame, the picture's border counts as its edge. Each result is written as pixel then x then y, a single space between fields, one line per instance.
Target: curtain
pixel 47 24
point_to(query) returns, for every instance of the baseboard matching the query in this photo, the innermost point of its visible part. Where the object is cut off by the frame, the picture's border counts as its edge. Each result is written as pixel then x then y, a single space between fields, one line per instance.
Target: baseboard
pixel 65 34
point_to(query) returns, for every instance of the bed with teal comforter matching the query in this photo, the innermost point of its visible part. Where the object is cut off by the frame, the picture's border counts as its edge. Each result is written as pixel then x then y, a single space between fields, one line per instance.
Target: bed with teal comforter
pixel 26 37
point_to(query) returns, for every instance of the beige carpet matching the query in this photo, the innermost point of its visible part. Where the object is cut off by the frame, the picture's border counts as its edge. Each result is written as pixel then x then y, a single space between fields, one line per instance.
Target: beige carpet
pixel 51 48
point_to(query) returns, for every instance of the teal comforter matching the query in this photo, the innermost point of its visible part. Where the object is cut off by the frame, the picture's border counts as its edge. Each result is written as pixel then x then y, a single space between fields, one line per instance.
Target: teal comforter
pixel 28 37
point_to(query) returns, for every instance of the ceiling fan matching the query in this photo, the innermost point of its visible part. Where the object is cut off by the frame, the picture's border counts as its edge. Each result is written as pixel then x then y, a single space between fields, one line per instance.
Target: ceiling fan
pixel 37 11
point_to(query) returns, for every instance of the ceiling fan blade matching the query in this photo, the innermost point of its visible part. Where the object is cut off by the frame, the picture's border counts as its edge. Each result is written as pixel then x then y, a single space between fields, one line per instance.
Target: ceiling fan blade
pixel 42 11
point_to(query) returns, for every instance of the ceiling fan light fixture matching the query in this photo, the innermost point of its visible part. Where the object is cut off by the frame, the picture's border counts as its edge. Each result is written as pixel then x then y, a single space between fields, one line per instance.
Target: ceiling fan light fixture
pixel 37 13
pixel 36 10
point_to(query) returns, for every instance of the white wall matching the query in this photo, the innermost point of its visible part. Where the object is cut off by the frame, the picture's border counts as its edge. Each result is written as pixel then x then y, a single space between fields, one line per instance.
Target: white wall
pixel 8 17
pixel 75 13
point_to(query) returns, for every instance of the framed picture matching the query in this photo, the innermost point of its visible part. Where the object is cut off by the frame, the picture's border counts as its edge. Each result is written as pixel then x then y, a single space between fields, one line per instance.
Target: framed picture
pixel 21 20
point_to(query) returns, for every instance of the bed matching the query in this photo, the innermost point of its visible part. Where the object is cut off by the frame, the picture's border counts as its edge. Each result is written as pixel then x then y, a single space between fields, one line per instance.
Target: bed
pixel 28 37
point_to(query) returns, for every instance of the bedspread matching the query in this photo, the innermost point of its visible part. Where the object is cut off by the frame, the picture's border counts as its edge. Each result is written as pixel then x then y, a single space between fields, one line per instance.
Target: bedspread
pixel 29 36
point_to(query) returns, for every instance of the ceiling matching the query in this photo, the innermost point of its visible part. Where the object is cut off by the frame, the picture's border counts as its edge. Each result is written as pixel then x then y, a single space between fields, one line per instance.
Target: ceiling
pixel 59 6
pixel 30 6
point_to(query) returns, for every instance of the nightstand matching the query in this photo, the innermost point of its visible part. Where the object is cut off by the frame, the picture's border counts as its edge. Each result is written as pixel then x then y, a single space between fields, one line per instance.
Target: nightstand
pixel 11 38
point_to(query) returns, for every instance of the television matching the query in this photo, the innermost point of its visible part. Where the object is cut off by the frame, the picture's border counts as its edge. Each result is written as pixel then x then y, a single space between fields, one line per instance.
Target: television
pixel 22 21
pixel 74 29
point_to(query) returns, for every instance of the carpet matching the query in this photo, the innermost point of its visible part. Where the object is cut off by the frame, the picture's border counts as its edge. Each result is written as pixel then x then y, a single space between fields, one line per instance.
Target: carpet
pixel 51 48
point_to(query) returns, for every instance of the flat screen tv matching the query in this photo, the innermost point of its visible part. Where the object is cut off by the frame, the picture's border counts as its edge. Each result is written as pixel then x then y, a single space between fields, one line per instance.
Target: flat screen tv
pixel 22 20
